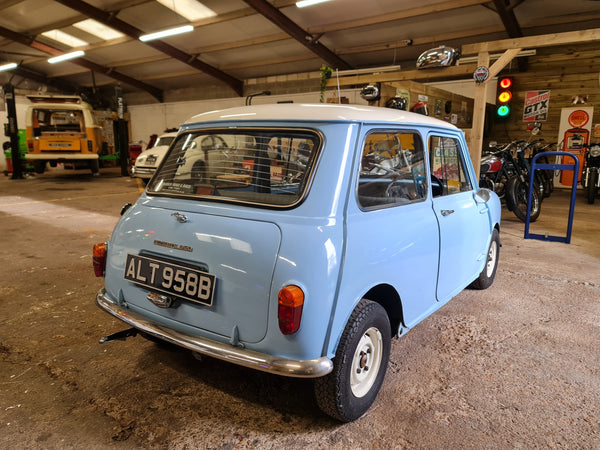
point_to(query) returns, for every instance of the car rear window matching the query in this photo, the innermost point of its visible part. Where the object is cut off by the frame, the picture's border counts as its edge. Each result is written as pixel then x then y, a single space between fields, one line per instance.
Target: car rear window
pixel 164 140
pixel 255 165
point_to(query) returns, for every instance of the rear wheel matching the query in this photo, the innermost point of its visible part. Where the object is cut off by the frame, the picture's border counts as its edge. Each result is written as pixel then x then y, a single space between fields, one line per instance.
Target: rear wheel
pixel 592 190
pixel 359 365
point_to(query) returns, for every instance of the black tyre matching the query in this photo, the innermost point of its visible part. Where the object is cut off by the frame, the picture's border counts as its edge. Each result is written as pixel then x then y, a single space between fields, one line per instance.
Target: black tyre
pixel 359 365
pixel 517 193
pixel 94 166
pixel 39 166
pixel 487 275
pixel 592 190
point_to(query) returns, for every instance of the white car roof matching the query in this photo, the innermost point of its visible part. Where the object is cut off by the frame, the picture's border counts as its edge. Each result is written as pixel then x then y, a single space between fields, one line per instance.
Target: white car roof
pixel 169 134
pixel 317 112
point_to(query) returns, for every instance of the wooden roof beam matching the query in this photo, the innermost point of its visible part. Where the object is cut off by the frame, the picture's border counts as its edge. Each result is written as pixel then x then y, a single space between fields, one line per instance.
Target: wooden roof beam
pixel 308 40
pixel 505 10
pixel 31 42
pixel 112 21
pixel 544 40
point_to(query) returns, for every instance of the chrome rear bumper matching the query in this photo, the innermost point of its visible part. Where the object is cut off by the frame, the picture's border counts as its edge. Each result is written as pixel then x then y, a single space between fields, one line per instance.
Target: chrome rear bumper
pixel 57 155
pixel 311 368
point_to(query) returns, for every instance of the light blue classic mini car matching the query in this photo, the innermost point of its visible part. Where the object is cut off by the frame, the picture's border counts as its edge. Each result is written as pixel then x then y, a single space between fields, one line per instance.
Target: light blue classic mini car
pixel 299 239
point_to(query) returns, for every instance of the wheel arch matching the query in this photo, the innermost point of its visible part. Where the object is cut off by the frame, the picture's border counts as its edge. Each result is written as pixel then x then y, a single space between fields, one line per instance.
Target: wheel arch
pixel 387 296
pixel 384 295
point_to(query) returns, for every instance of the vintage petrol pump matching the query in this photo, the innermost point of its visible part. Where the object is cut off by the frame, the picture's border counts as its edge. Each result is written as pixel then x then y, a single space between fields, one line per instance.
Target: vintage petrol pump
pixel 574 140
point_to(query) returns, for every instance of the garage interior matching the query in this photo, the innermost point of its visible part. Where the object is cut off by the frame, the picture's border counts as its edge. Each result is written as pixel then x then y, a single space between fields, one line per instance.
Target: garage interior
pixel 515 366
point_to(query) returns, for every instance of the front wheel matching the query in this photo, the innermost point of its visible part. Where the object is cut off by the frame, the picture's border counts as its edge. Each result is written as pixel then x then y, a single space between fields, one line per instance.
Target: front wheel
pixel 359 365
pixel 517 193
pixel 94 166
pixel 592 190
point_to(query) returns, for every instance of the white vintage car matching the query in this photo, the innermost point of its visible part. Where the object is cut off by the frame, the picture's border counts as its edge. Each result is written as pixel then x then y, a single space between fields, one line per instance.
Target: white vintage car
pixel 147 162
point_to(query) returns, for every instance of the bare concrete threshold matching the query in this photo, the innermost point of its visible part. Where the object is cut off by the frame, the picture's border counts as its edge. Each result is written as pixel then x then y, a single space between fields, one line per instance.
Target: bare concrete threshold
pixel 516 366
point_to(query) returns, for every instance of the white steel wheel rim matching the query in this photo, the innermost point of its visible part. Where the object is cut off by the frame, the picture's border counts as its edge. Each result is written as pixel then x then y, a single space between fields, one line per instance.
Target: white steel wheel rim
pixel 366 362
pixel 491 260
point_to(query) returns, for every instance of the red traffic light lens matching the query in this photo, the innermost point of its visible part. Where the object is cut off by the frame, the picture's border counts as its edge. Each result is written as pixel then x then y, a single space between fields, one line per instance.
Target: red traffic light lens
pixel 505 83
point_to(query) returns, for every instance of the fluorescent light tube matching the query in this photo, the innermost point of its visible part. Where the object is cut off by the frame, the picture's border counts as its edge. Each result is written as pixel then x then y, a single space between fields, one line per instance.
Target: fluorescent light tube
pixel 165 33
pixel 66 56
pixel 303 3
pixel 65 38
pixel 8 66
pixel 192 10
pixel 98 29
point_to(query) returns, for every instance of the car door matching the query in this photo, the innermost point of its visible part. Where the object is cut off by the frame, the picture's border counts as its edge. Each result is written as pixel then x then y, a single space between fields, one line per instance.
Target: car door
pixel 391 230
pixel 464 224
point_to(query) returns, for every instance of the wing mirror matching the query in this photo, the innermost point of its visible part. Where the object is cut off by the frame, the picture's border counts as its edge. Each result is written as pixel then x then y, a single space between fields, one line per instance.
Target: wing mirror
pixel 482 195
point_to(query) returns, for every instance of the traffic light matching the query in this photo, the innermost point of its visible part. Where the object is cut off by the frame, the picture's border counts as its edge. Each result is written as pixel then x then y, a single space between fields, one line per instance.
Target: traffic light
pixel 504 97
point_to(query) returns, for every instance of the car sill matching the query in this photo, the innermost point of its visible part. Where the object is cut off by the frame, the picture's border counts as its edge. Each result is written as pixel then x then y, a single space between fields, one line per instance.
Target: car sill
pixel 311 368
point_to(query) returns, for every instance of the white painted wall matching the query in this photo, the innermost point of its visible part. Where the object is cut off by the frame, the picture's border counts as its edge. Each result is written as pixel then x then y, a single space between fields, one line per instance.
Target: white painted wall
pixel 154 119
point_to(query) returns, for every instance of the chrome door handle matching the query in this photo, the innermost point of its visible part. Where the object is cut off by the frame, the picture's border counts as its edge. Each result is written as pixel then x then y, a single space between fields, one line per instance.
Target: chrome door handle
pixel 447 212
pixel 180 217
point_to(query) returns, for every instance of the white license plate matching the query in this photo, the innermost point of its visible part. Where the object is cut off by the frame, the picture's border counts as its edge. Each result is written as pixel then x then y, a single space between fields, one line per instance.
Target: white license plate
pixel 171 278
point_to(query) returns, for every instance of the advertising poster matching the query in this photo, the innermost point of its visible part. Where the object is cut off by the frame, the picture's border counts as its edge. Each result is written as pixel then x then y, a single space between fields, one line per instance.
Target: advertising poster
pixel 536 106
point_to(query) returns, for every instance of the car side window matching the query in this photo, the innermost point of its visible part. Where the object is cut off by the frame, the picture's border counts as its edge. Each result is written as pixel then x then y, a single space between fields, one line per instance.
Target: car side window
pixel 448 175
pixel 392 170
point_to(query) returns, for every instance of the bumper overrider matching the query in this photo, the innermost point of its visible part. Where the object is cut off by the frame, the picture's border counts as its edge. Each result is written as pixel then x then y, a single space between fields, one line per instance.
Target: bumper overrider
pixel 143 171
pixel 311 368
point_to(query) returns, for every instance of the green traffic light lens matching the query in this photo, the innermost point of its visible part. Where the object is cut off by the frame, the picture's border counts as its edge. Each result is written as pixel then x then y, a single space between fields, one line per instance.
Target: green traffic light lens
pixel 503 111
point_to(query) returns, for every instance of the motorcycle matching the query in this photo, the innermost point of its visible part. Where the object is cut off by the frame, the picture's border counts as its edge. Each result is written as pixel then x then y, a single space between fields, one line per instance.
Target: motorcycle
pixel 517 189
pixel 496 169
pixel 544 177
pixel 590 176
pixel 508 176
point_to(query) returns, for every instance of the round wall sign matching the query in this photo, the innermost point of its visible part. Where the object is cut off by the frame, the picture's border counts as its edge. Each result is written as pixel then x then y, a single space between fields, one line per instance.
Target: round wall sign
pixel 481 74
pixel 579 118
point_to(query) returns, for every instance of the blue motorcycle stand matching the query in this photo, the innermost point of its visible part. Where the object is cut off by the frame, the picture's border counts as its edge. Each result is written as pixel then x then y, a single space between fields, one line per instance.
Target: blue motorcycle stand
pixel 535 166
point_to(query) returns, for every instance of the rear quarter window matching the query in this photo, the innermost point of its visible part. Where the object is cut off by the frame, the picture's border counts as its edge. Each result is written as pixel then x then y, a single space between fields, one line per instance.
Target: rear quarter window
pixel 392 170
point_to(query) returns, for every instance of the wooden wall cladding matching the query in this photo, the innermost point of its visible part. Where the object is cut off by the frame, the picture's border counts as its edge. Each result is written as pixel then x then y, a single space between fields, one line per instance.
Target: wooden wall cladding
pixel 566 71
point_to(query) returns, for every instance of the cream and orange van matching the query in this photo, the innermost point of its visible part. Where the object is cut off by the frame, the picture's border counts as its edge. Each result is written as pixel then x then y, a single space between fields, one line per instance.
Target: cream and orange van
pixel 62 129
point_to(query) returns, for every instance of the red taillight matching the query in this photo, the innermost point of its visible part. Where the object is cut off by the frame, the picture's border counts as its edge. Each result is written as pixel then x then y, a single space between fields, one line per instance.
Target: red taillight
pixel 291 300
pixel 99 259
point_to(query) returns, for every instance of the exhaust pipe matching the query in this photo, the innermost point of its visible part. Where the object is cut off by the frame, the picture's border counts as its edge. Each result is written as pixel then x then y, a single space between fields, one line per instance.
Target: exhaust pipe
pixel 120 335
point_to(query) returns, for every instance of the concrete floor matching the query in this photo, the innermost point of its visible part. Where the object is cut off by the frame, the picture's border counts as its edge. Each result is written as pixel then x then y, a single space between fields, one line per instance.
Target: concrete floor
pixel 516 366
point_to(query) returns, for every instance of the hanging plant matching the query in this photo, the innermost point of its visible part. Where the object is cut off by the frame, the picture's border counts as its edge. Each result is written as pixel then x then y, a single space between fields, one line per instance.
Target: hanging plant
pixel 325 75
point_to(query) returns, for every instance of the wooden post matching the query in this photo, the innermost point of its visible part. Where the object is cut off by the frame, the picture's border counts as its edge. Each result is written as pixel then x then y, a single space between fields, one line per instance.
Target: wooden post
pixel 476 143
